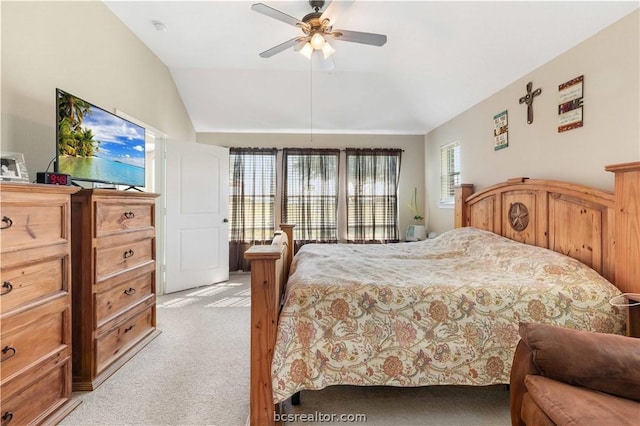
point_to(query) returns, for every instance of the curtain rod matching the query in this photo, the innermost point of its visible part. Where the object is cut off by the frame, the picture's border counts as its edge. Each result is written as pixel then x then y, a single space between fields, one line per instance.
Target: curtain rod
pixel 312 149
pixel 344 149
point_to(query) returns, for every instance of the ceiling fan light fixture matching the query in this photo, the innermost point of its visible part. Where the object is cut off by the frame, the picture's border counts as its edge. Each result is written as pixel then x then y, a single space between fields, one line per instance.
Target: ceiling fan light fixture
pixel 307 50
pixel 317 41
pixel 327 50
pixel 315 26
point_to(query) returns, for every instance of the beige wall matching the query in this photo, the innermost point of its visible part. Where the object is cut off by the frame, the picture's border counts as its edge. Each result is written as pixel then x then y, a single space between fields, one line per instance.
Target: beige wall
pixel 609 62
pixel 411 170
pixel 82 48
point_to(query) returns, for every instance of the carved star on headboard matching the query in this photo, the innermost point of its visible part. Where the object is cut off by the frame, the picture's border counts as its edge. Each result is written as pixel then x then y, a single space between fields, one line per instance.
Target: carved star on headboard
pixel 518 216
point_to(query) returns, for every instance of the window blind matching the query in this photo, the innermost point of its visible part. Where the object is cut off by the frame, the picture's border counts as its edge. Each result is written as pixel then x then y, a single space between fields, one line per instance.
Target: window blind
pixel 310 193
pixel 252 192
pixel 449 171
pixel 372 194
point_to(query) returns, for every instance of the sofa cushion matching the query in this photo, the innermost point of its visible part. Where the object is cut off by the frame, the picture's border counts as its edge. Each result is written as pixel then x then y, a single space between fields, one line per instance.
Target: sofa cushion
pixel 604 362
pixel 532 414
pixel 574 405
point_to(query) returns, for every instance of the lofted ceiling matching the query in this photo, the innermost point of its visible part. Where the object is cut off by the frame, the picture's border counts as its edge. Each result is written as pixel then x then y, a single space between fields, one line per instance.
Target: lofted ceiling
pixel 440 59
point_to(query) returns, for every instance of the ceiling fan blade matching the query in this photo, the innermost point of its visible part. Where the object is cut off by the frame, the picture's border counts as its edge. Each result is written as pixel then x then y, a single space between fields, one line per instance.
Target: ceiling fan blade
pixel 358 37
pixel 276 14
pixel 283 46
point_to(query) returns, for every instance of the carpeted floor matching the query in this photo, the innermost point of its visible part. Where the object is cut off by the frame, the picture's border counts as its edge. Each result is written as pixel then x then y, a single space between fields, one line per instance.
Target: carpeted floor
pixel 197 373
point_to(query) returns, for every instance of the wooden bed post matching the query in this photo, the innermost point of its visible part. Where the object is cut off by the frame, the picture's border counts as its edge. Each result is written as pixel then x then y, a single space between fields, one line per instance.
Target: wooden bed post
pixel 461 192
pixel 288 230
pixel 264 321
pixel 627 235
pixel 269 273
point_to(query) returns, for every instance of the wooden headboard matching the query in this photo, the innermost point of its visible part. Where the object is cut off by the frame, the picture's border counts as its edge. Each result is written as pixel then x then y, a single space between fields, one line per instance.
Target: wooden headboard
pixel 598 228
pixel 566 218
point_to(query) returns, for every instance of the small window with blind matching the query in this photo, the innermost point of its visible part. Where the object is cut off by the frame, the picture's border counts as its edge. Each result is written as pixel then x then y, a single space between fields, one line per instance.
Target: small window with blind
pixel 449 172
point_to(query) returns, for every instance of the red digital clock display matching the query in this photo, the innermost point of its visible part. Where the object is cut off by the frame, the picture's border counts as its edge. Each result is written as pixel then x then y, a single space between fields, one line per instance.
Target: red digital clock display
pixel 53 178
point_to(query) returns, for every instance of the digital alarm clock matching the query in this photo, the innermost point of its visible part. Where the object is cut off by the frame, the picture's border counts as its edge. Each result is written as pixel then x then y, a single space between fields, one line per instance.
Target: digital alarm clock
pixel 53 178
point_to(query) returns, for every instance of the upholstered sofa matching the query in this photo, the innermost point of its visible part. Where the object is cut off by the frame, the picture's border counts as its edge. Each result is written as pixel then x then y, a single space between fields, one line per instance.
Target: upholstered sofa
pixel 568 377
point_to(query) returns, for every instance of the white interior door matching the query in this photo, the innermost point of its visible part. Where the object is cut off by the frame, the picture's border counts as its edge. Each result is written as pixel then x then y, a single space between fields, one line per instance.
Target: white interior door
pixel 197 203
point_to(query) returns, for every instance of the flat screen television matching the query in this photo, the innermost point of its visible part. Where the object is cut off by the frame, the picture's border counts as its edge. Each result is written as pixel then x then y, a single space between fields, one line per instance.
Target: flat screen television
pixel 97 146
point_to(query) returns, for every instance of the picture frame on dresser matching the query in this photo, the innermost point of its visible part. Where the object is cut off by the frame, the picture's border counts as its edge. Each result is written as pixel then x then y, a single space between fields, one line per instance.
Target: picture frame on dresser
pixel 13 167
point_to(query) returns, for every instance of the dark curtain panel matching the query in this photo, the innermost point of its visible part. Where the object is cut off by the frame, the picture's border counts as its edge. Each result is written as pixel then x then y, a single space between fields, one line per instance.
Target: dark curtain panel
pixel 310 194
pixel 252 193
pixel 372 195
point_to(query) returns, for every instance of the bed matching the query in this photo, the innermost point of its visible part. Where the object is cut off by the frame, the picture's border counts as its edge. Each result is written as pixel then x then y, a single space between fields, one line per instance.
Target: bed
pixel 446 310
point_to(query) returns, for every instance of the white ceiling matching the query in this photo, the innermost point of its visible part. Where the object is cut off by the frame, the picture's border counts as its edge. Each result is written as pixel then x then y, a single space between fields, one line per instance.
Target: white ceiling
pixel 440 59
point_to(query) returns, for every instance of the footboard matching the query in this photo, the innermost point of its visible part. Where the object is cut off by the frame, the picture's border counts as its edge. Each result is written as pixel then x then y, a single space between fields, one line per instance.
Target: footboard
pixel 269 273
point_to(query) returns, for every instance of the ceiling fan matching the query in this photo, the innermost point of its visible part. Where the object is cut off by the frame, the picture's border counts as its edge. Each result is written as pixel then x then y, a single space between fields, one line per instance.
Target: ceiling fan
pixel 316 28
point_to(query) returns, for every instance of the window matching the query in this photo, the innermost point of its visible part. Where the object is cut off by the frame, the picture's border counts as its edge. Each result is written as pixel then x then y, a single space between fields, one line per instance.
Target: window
pixel 372 194
pixel 252 193
pixel 310 193
pixel 449 171
pixel 330 195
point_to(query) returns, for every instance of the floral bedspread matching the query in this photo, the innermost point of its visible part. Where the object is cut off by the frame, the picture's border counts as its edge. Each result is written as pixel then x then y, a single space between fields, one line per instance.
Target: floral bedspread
pixel 434 312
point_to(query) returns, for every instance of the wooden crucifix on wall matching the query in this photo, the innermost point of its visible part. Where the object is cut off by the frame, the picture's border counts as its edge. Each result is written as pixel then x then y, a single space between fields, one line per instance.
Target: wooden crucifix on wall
pixel 528 99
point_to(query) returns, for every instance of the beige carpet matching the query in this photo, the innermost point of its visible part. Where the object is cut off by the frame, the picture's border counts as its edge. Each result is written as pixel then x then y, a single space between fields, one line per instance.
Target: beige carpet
pixel 196 373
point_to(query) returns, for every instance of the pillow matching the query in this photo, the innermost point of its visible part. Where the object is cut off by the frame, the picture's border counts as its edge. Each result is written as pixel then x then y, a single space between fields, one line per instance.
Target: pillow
pixel 605 362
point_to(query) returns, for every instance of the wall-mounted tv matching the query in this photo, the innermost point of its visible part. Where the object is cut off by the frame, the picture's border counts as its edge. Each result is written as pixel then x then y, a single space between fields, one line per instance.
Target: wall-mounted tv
pixel 97 146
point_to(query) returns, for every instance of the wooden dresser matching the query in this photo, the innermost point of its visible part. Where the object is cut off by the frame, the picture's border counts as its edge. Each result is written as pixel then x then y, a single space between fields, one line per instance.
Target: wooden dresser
pixel 35 304
pixel 114 281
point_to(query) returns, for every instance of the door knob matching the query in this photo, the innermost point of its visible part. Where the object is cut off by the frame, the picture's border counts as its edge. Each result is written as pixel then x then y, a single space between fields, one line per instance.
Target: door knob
pixel 225 220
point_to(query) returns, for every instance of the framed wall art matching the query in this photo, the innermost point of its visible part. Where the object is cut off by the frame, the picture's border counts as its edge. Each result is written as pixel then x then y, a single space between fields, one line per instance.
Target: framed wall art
pixel 13 167
pixel 500 131
pixel 570 104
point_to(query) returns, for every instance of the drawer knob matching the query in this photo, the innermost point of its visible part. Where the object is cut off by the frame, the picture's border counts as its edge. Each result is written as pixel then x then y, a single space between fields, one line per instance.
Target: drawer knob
pixel 6 287
pixel 6 417
pixel 6 351
pixel 6 222
pixel 128 253
pixel 128 329
pixel 129 215
pixel 130 291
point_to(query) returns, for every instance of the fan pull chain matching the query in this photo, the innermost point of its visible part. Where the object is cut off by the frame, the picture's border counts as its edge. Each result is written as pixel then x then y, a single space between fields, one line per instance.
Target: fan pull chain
pixel 311 100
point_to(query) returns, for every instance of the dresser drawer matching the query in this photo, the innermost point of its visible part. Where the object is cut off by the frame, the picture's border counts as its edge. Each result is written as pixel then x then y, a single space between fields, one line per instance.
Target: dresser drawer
pixel 31 225
pixel 34 402
pixel 119 258
pixel 24 284
pixel 121 297
pixel 32 336
pixel 111 218
pixel 114 343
